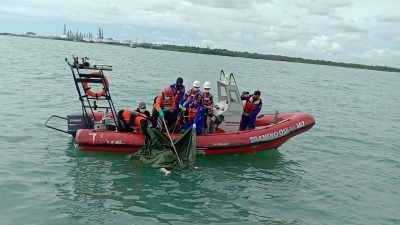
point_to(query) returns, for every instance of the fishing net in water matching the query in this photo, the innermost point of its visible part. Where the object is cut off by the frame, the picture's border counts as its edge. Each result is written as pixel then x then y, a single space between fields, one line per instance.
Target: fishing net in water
pixel 158 152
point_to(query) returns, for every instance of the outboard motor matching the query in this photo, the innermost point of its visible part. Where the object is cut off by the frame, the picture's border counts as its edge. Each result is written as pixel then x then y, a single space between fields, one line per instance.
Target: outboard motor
pixel 79 121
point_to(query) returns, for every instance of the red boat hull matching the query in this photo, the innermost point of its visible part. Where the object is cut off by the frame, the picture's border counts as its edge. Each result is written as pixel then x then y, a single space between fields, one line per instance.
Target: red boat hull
pixel 267 135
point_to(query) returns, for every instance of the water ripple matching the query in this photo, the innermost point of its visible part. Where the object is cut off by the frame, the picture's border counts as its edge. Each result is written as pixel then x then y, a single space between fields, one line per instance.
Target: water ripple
pixel 343 171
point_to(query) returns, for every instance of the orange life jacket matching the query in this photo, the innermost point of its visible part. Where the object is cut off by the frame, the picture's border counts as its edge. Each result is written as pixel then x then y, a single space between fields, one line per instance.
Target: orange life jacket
pixel 126 115
pixel 161 102
pixel 138 119
pixel 251 106
pixel 192 114
pixel 191 94
pixel 207 99
pixel 178 96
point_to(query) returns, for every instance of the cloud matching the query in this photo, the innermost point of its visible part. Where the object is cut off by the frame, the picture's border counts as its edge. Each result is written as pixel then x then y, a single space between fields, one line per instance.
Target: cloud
pixel 323 44
pixel 231 4
pixel 393 17
pixel 334 29
pixel 351 24
pixel 285 32
pixel 292 44
pixel 382 53
pixel 323 7
pixel 397 39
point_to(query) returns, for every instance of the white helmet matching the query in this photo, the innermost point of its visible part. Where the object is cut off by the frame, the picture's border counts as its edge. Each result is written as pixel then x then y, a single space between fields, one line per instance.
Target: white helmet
pixel 196 84
pixel 207 85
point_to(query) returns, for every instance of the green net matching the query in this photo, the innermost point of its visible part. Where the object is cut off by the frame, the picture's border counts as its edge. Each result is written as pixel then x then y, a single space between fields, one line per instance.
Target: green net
pixel 158 151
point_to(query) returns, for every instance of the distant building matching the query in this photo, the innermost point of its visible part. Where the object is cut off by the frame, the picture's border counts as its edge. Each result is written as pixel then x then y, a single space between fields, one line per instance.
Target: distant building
pixel 89 37
pixel 100 34
pixel 31 33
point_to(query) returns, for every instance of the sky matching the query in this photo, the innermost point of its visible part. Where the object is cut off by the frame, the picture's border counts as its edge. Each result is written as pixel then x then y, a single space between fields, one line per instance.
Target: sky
pixel 351 31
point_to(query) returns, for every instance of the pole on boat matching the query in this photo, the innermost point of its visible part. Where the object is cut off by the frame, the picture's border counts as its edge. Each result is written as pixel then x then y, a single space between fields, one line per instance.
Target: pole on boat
pixel 172 143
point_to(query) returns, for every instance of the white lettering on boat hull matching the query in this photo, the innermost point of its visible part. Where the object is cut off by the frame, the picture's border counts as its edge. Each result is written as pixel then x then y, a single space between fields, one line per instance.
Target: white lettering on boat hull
pixel 277 134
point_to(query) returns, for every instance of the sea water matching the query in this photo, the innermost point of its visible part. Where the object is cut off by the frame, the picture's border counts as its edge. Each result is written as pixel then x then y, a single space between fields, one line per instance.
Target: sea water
pixel 345 170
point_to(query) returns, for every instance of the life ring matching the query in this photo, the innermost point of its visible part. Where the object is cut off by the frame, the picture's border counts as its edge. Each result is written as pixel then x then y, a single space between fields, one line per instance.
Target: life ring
pixel 89 91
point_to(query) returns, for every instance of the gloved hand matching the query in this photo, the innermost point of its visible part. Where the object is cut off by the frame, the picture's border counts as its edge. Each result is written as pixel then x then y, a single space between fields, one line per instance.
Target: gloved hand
pixel 182 108
pixel 165 109
pixel 161 114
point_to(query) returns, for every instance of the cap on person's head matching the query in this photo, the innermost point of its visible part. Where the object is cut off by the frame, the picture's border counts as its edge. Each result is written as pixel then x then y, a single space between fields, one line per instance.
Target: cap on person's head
pixel 257 92
pixel 142 105
pixel 179 80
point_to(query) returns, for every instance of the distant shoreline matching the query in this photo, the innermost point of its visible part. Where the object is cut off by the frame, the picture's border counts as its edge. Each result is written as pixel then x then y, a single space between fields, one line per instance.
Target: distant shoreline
pixel 221 52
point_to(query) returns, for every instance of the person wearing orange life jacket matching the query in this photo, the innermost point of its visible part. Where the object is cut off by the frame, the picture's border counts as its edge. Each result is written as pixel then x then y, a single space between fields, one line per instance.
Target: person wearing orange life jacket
pixel 196 114
pixel 163 107
pixel 189 95
pixel 129 118
pixel 208 102
pixel 251 108
pixel 207 96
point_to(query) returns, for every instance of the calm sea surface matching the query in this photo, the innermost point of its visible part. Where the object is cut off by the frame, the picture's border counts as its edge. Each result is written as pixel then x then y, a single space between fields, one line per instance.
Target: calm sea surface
pixel 343 171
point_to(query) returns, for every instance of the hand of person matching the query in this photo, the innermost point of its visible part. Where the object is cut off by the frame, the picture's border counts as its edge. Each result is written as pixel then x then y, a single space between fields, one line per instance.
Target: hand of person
pixel 161 114
pixel 165 109
pixel 182 108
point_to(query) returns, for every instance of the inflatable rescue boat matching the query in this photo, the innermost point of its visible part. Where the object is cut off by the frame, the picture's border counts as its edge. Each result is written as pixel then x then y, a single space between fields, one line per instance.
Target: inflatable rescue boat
pixel 96 128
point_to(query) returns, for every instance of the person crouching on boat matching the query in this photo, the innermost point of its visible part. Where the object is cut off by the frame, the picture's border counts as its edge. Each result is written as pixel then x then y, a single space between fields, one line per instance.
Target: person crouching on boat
pixel 251 108
pixel 196 113
pixel 163 108
pixel 190 94
pixel 128 118
pixel 179 92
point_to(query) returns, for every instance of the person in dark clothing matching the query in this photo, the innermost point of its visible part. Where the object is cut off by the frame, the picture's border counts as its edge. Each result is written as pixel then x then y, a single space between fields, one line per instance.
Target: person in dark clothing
pixel 179 92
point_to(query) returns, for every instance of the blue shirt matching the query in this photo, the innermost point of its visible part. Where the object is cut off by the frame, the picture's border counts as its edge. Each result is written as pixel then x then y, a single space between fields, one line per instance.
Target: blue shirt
pixel 176 88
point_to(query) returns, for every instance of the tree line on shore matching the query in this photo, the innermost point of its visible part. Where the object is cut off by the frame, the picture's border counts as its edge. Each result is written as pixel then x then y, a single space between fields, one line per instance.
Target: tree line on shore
pixel 225 52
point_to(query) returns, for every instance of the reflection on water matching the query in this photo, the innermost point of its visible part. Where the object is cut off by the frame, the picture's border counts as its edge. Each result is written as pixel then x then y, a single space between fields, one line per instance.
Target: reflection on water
pixel 102 185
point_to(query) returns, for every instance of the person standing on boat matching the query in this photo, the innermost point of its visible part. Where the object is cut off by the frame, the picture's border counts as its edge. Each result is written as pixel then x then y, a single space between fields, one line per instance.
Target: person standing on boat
pixel 207 96
pixel 179 92
pixel 208 102
pixel 163 107
pixel 196 113
pixel 251 108
pixel 190 94
pixel 130 118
